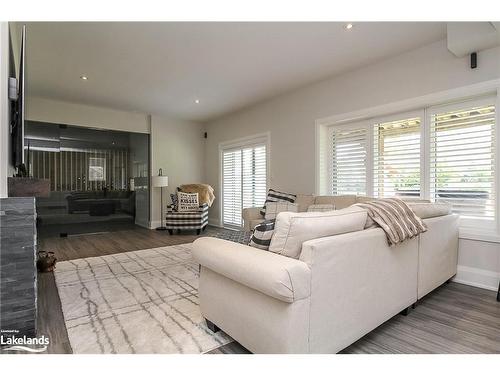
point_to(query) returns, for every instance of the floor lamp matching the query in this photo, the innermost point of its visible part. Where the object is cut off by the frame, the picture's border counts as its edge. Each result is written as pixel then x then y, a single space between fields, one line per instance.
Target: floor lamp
pixel 160 181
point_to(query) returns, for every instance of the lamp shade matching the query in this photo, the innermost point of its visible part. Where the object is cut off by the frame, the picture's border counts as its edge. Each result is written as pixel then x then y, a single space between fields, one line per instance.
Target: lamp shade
pixel 159 181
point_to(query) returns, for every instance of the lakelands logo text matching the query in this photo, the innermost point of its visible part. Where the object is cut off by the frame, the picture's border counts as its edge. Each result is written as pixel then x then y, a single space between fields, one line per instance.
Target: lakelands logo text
pixel 25 344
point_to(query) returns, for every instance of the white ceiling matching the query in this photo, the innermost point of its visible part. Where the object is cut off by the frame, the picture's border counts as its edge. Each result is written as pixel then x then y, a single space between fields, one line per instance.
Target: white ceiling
pixel 161 68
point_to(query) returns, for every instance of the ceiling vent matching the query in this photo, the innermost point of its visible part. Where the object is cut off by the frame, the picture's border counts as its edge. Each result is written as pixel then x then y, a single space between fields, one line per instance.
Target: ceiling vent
pixel 467 37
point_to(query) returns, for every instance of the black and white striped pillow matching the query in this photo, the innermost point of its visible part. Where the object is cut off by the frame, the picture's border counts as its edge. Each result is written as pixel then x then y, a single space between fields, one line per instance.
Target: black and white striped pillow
pixel 277 196
pixel 261 236
pixel 175 201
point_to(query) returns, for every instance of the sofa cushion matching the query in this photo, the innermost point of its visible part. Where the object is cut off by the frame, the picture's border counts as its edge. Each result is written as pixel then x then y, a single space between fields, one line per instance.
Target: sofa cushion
pixel 320 208
pixel 339 201
pixel 304 201
pixel 427 210
pixel 363 199
pixel 292 229
pixel 274 208
pixel 262 234
pixel 277 196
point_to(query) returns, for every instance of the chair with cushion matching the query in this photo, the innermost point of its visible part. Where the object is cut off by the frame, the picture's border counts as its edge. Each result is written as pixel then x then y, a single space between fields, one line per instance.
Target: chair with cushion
pixel 190 220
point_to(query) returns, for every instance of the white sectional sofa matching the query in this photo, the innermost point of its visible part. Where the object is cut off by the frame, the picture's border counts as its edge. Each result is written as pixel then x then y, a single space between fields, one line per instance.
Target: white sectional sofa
pixel 340 288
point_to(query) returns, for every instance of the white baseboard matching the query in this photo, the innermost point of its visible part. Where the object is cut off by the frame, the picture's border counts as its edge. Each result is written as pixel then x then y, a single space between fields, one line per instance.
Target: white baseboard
pixel 477 277
pixel 154 224
pixel 214 223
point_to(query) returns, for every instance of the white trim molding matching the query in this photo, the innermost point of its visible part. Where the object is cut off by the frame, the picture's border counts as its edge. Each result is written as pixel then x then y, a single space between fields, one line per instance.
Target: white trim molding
pixel 477 277
pixel 214 222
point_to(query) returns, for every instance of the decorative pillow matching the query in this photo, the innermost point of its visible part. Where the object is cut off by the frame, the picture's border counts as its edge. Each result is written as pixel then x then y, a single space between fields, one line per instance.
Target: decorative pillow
pixel 293 229
pixel 274 208
pixel 277 196
pixel 320 207
pixel 187 201
pixel 262 234
pixel 175 201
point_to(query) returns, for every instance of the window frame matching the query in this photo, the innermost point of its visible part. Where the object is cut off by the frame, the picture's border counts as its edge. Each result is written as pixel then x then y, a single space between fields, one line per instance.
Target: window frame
pixel 488 91
pixel 239 143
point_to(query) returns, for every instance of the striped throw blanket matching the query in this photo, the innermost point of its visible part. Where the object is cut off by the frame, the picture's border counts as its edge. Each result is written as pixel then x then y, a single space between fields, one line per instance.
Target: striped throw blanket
pixel 395 217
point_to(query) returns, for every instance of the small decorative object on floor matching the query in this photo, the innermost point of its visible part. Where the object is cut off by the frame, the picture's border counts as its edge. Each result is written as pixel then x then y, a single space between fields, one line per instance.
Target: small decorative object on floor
pixel 46 261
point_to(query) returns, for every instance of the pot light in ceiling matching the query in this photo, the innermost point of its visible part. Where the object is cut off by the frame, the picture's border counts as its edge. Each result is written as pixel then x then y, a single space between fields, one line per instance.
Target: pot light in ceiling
pixel 197 101
pixel 348 26
pixel 84 78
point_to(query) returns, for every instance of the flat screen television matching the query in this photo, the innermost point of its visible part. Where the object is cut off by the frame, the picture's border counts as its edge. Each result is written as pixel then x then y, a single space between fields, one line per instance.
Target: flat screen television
pixel 17 109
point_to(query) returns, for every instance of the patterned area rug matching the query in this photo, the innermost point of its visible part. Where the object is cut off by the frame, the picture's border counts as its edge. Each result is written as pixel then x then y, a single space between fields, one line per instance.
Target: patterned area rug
pixel 234 235
pixel 137 302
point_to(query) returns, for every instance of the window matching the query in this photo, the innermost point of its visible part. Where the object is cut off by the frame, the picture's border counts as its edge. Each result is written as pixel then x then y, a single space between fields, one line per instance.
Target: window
pixel 462 158
pixel 97 169
pixel 244 179
pixel 443 153
pixel 348 167
pixel 396 155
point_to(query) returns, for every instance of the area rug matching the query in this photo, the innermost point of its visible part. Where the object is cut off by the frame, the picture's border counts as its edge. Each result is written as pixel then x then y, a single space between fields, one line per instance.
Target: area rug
pixel 144 301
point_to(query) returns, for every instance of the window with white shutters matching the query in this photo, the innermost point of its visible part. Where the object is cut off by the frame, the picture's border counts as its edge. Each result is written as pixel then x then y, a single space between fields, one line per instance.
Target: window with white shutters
pixel 445 153
pixel 348 150
pixel 244 181
pixel 462 158
pixel 396 158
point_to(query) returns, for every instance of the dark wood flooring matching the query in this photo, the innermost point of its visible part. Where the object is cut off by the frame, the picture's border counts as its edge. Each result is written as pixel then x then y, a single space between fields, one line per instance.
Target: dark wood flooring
pixel 121 241
pixel 454 318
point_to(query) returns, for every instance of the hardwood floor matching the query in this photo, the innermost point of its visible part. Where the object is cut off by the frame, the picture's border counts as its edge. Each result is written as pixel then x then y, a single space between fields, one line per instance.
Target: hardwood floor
pixel 93 245
pixel 454 318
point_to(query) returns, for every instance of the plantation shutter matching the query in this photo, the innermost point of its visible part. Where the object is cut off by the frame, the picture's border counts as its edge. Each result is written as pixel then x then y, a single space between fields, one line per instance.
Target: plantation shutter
pixel 396 158
pixel 232 187
pixel 348 155
pixel 462 155
pixel 244 179
pixel 254 176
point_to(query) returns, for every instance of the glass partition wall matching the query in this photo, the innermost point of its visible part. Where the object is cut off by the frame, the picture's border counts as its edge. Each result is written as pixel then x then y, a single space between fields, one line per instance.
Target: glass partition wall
pixel 99 179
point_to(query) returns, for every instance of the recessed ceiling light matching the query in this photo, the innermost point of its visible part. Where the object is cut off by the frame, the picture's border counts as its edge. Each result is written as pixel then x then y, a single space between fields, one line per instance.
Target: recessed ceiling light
pixel 84 78
pixel 348 26
pixel 197 101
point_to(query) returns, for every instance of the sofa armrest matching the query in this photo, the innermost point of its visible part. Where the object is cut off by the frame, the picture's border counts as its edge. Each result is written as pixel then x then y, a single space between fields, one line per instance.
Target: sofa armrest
pixel 249 214
pixel 275 275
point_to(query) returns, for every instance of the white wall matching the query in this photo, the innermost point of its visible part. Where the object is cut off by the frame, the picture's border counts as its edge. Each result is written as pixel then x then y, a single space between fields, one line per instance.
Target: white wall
pixel 178 147
pixel 291 117
pixel 61 112
pixel 4 108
